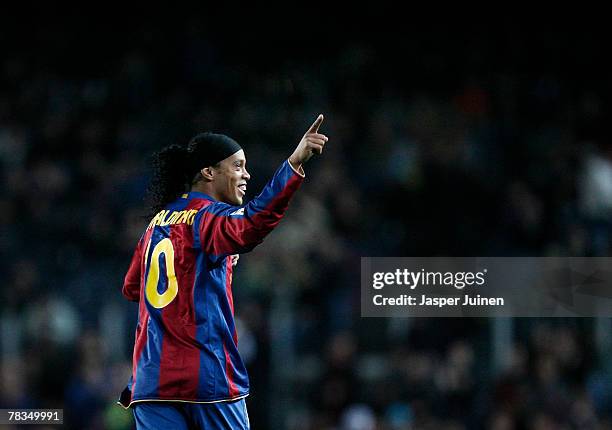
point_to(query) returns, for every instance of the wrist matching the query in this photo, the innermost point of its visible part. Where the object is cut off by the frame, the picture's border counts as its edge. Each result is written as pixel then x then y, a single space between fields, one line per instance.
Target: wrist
pixel 294 162
pixel 296 166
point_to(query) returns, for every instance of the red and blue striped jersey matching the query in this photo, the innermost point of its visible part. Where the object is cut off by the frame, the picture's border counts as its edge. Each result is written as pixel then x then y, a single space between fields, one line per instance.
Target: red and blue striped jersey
pixel 181 275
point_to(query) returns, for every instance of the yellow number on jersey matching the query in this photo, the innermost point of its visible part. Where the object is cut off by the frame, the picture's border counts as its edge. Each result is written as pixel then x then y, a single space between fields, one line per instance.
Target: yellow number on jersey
pixel 153 297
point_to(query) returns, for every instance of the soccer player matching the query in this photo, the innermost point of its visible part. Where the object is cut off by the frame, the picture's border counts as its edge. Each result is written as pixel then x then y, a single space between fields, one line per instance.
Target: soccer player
pixel 187 372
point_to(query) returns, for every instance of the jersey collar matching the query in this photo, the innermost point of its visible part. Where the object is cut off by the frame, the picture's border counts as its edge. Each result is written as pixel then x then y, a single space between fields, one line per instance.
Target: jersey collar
pixel 197 195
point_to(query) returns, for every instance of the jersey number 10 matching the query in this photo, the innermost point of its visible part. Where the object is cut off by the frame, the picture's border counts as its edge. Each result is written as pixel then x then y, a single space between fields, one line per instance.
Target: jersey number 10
pixel 153 297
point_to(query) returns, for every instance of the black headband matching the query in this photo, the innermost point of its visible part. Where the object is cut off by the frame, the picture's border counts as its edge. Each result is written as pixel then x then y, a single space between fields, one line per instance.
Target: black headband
pixel 208 149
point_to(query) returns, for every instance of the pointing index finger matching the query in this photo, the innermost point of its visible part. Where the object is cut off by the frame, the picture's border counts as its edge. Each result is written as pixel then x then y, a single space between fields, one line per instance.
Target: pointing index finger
pixel 315 125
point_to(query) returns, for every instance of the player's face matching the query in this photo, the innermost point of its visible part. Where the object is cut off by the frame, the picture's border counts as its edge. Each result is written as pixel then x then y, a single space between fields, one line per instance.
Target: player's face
pixel 231 179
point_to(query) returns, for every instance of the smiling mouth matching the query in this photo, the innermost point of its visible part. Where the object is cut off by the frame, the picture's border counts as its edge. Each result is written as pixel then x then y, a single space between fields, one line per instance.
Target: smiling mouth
pixel 242 188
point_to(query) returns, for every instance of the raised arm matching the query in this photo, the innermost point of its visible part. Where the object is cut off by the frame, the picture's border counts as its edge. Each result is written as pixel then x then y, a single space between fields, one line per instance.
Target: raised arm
pixel 227 229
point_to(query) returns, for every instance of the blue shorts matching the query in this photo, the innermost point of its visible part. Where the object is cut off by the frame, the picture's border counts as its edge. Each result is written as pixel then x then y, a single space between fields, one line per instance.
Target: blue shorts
pixel 184 416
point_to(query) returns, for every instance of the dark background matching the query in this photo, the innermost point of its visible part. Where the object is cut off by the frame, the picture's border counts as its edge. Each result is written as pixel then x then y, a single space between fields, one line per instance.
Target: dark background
pixel 448 137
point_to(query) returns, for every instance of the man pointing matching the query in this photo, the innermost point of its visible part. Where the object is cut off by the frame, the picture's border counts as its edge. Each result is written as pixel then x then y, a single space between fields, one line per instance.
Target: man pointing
pixel 187 372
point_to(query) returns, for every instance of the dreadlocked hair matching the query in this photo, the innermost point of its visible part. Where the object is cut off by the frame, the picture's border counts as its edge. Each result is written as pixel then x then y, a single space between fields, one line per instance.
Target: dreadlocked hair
pixel 170 177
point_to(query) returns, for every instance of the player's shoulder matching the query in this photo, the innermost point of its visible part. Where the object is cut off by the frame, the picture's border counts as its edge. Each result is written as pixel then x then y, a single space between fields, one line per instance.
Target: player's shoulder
pixel 221 208
pixel 215 210
pixel 200 203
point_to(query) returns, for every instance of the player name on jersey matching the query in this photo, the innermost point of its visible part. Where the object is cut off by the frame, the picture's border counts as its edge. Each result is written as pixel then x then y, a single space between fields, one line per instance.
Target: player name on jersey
pixel 166 217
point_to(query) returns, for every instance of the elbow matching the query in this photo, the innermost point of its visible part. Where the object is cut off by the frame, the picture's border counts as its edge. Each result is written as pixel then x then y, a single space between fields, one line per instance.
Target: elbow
pixel 130 293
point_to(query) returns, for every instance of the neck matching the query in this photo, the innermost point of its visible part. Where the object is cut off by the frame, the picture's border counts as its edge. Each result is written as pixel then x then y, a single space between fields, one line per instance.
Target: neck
pixel 206 188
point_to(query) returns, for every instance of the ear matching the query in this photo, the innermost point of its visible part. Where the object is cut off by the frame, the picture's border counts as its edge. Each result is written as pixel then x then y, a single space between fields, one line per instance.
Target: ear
pixel 207 172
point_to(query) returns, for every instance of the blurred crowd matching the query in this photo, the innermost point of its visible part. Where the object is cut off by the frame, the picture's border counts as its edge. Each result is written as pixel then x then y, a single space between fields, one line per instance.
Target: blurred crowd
pixel 439 146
